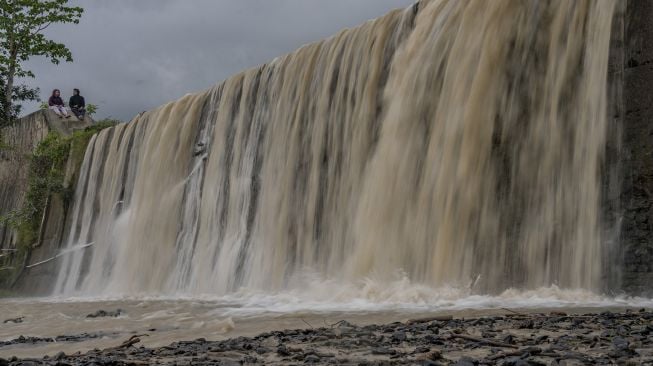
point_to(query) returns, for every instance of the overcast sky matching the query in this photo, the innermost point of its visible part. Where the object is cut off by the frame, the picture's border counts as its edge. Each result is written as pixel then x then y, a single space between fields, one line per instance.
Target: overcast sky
pixel 133 55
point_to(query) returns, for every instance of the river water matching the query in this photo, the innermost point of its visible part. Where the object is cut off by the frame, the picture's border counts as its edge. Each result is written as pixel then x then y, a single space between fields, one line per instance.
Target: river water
pixel 454 143
pixel 167 320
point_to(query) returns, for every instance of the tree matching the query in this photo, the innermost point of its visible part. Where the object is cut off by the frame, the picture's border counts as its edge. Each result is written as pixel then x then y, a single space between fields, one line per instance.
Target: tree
pixel 22 23
pixel 20 93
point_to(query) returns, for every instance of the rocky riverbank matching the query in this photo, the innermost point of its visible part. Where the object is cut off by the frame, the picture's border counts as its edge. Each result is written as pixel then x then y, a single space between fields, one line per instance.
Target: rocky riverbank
pixel 517 339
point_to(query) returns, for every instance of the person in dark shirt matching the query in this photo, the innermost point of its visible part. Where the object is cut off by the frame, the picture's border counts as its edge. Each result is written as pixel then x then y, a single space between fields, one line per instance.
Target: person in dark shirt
pixel 77 105
pixel 56 104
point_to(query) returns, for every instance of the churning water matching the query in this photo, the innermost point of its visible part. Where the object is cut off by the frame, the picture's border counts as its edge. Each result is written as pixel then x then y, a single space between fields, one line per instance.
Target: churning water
pixel 455 144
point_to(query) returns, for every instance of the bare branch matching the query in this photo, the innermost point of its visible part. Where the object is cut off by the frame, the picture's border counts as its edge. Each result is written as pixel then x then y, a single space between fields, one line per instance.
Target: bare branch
pixel 71 250
pixel 42 28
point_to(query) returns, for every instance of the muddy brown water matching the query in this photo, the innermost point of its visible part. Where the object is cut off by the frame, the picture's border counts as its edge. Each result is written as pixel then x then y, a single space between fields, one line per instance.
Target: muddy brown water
pixel 168 320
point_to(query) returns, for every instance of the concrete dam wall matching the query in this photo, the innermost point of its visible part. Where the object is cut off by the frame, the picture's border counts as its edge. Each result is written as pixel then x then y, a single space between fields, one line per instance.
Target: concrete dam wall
pixel 370 151
pixel 19 143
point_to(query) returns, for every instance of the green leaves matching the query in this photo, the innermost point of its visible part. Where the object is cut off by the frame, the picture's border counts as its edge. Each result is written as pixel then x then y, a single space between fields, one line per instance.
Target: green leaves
pixel 91 109
pixel 47 171
pixel 20 93
pixel 22 23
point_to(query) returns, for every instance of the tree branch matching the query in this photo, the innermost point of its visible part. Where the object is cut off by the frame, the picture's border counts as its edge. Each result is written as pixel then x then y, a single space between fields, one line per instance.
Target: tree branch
pixel 42 28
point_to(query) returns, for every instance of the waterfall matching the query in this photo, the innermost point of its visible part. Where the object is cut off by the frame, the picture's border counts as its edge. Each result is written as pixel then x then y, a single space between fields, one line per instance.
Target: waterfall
pixel 455 142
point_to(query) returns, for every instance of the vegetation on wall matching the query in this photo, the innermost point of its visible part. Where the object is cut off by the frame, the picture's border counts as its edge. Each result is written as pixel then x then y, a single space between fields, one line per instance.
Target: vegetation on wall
pixel 47 170
pixel 91 109
pixel 47 177
pixel 3 145
pixel 80 139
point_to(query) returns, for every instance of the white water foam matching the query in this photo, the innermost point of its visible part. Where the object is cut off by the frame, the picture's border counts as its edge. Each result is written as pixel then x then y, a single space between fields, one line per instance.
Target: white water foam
pixel 316 295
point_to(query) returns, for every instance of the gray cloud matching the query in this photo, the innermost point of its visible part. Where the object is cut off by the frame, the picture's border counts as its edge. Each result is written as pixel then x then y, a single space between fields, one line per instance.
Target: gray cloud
pixel 133 55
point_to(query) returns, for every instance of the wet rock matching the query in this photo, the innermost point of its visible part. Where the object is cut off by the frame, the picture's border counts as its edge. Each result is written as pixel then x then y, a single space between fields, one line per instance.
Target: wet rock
pixel 383 351
pixel 434 355
pixel 466 361
pixel 608 333
pixel 429 363
pixel 531 350
pixel 374 345
pixel 26 340
pixel 527 324
pixel 14 320
pixel 399 337
pixel 283 351
pixel 105 314
pixel 541 339
pixel 508 339
pixel 311 359
pixel 560 345
pixel 570 362
pixel 262 350
pixel 250 359
pixel 620 343
pixel 434 340
pixel 515 361
pixel 77 337
pixel 345 324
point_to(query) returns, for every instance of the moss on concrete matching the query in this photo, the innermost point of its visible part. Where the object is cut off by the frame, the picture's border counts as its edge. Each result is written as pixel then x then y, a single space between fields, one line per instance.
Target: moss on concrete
pixel 46 179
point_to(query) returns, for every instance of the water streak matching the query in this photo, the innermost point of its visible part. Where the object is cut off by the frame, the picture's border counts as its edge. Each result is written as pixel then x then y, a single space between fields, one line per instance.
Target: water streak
pixel 455 143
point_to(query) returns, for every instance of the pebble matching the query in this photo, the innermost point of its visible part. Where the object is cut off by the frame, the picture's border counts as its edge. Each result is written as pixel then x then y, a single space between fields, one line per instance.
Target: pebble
pixel 466 361
pixel 283 351
pixel 383 351
pixel 399 336
pixel 620 343
pixel 607 338
pixel 311 359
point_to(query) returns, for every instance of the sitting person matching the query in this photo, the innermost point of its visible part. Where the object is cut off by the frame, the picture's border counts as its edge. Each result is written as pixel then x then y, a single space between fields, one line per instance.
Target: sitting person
pixel 77 105
pixel 56 104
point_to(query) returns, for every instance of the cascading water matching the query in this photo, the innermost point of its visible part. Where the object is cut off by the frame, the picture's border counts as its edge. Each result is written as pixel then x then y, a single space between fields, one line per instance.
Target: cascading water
pixel 454 142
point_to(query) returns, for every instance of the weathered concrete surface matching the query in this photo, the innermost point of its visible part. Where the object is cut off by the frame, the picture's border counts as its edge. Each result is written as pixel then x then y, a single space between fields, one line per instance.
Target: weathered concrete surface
pixel 628 177
pixel 637 150
pixel 19 141
pixel 38 280
pixel 611 173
